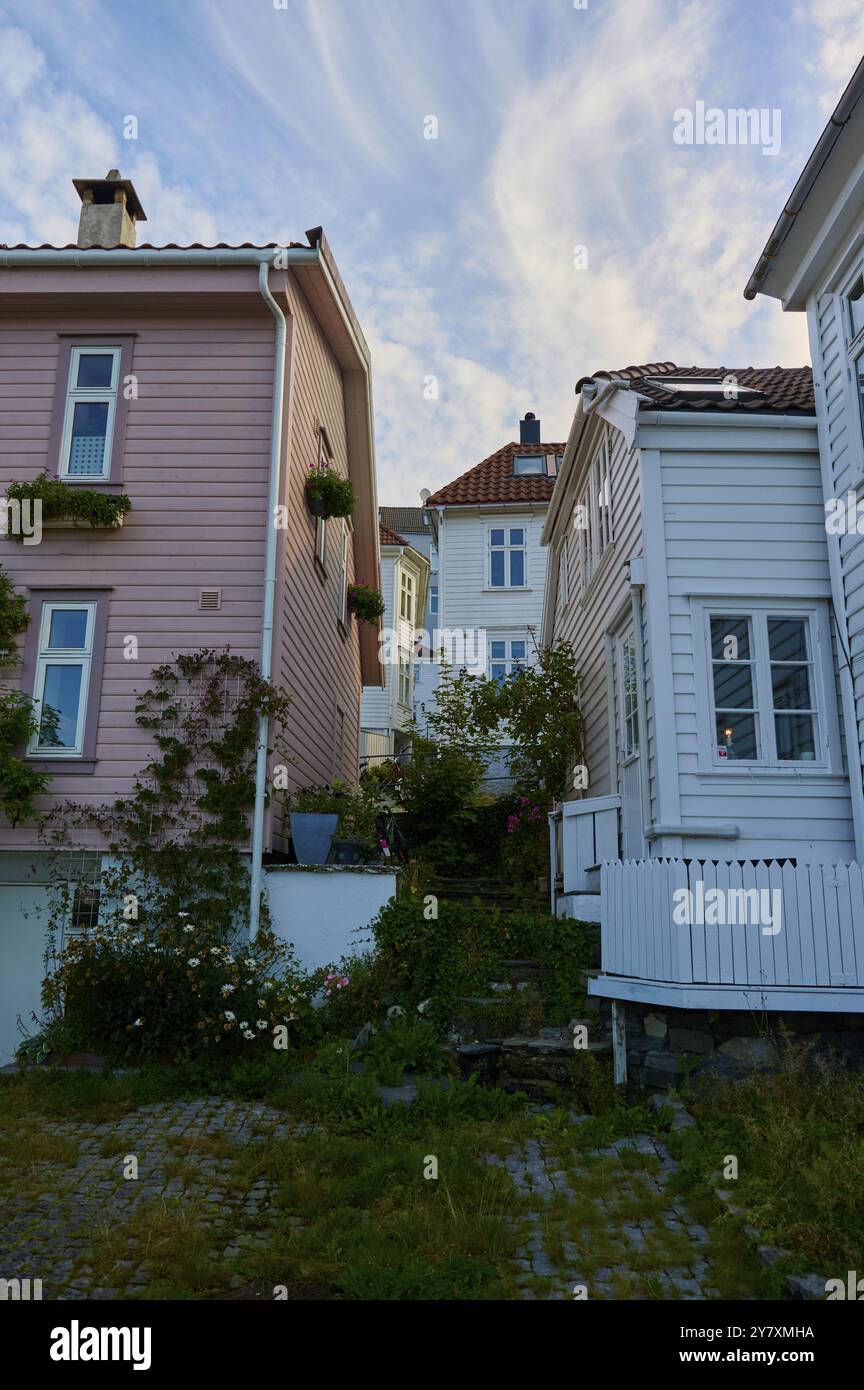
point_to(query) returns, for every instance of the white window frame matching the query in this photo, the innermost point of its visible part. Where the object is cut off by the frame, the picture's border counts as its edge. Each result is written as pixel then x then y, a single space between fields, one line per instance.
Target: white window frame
pixel 508 548
pixel 595 505
pixel 563 578
pixel 76 395
pixel 538 471
pixel 406 595
pixel 628 715
pixel 403 687
pixel 62 656
pixel 855 358
pixel 823 693
pixel 512 663
pixel 321 541
pixel 433 600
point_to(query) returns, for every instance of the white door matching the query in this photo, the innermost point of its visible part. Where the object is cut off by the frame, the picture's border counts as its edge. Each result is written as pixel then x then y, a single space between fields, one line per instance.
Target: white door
pixel 629 760
pixel 22 946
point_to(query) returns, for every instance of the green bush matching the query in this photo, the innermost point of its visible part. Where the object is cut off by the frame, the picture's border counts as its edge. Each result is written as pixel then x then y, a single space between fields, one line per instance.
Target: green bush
pixel 68 502
pixel 405 1044
pixel 176 991
pixel 441 795
pixel 334 494
pixel 457 954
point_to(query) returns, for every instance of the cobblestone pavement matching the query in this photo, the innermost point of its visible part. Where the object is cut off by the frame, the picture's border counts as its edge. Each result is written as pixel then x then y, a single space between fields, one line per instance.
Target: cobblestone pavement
pixel 48 1236
pixel 600 1223
pixel 631 1245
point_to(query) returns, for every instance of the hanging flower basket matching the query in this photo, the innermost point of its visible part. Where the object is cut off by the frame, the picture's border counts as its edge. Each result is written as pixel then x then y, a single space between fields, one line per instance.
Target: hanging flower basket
pixel 365 603
pixel 328 494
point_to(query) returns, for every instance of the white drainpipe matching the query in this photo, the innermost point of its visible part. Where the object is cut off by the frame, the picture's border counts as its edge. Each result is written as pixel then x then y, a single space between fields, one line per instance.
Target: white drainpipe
pixel 270 556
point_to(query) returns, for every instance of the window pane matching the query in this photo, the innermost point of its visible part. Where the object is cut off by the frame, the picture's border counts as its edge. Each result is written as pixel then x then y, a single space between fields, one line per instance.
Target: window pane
pixel 517 651
pixel 497 537
pixel 730 639
pixel 68 629
pixel 856 306
pixel 517 567
pixel 89 425
pixel 733 686
pixel 517 536
pixel 499 672
pixel 791 687
pixel 498 650
pixel 498 567
pixel 61 697
pixel 529 463
pixel 796 739
pixel 737 734
pixel 787 639
pixel 95 369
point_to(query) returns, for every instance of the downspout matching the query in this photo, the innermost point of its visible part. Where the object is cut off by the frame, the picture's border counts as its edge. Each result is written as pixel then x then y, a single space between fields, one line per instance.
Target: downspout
pixel 637 589
pixel 257 870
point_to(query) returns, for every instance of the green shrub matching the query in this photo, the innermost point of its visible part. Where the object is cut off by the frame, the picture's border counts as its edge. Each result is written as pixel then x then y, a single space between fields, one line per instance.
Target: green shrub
pixel 176 991
pixel 365 603
pixel 405 1044
pixel 333 493
pixel 68 502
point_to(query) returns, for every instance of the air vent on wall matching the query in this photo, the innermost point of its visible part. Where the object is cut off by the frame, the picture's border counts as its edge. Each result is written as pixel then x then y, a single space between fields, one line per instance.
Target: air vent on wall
pixel 210 600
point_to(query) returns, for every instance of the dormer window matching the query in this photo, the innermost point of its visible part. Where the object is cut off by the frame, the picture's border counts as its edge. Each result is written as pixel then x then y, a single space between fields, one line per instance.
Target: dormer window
pixel 526 464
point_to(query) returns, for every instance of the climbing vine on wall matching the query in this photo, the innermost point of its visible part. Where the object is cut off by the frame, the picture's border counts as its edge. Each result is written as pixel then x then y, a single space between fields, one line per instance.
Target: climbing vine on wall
pixel 176 842
pixel 20 782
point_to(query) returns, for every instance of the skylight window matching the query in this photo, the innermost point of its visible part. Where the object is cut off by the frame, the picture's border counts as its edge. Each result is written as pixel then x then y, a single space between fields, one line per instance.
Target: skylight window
pixel 725 387
pixel 523 464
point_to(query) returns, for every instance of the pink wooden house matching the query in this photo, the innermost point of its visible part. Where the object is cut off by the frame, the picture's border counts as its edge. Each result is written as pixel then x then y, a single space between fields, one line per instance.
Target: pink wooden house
pixel 201 382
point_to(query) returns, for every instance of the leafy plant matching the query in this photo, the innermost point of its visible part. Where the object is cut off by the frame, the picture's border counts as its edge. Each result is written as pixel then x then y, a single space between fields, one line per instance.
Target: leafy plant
pixel 174 989
pixel 334 494
pixel 67 502
pixel 355 807
pixel 404 1044
pixel 440 794
pixel 20 782
pixel 365 603
pixel 177 842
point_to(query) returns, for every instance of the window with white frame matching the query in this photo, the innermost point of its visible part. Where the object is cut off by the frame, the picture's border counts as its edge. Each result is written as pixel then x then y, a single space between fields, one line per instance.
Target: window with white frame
pixel 404 690
pixel 433 600
pixel 593 516
pixel 321 541
pixel 406 596
pixel 507 656
pixel 91 404
pixel 507 557
pixel 63 658
pixel 342 592
pixel 763 685
pixel 563 578
pixel 855 337
pixel 628 696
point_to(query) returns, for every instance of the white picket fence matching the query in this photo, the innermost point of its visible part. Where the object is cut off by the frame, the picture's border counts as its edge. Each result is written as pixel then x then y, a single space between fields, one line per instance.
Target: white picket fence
pixel 820 940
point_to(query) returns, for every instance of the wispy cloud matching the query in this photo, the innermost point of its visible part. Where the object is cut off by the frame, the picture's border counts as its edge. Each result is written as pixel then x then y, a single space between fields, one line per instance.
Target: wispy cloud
pixel 554 131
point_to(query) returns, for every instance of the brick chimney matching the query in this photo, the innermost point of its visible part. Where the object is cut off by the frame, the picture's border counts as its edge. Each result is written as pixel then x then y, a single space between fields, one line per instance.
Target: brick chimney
pixel 109 211
pixel 529 429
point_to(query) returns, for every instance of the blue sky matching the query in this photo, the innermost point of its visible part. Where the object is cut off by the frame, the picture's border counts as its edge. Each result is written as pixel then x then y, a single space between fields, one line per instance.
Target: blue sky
pixel 554 131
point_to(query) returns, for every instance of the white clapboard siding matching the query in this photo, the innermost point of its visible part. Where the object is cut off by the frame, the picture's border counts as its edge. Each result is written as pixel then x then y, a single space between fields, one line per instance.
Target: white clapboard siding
pixel 820 942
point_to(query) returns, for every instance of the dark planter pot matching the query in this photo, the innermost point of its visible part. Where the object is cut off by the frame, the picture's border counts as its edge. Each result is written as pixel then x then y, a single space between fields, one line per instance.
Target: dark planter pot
pixel 312 835
pixel 315 504
pixel 480 1060
pixel 348 852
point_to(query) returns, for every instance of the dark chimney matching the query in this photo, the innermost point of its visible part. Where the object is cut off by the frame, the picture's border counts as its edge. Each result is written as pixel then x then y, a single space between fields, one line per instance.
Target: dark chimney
pixel 529 429
pixel 109 211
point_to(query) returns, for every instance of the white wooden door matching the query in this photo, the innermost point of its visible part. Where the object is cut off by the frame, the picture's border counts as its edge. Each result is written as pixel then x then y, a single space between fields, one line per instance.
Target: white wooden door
pixel 629 753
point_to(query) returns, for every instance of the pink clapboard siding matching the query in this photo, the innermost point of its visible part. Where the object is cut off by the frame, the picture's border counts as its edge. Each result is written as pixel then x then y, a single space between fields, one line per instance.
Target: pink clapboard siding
pixel 195 465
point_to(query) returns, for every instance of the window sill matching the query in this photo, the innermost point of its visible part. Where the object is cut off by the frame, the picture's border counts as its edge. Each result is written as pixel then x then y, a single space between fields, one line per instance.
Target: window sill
pixel 72 767
pixel 507 589
pixel 320 570
pixel 753 772
pixel 343 631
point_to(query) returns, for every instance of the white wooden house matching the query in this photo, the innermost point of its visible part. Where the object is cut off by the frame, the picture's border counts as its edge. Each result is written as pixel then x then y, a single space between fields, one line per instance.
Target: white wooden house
pixel 814 262
pixel 689 568
pixel 386 711
pixel 491 578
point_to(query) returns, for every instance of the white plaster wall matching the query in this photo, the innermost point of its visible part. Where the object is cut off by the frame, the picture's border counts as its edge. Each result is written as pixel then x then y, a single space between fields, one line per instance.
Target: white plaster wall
pixel 326 912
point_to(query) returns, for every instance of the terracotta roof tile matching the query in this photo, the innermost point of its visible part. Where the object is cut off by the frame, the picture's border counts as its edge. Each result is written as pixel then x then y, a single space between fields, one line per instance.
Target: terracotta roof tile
pixel 389 537
pixel 493 481
pixel 781 390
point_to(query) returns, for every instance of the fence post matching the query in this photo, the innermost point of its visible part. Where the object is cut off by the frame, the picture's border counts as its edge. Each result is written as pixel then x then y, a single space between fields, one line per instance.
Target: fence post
pixel 619 1042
